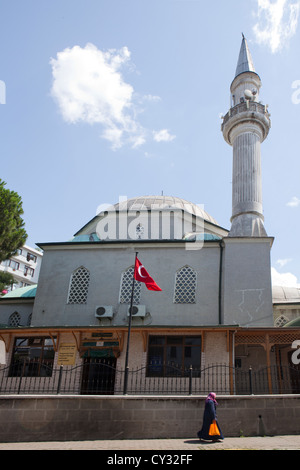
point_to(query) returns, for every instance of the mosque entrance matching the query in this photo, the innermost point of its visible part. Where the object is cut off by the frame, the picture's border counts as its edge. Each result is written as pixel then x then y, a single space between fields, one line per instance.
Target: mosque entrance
pixel 98 376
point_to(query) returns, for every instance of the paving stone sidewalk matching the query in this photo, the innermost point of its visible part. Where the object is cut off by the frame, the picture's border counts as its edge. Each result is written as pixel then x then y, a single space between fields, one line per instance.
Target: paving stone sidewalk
pixel 192 444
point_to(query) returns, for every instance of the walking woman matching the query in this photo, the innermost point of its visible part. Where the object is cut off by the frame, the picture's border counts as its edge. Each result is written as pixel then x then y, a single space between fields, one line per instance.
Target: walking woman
pixel 210 428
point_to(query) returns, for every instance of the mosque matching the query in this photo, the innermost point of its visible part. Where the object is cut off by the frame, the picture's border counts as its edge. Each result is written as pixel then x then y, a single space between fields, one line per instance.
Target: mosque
pixel 215 302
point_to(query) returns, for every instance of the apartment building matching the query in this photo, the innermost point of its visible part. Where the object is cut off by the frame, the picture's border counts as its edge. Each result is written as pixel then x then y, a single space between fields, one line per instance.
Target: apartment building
pixel 24 266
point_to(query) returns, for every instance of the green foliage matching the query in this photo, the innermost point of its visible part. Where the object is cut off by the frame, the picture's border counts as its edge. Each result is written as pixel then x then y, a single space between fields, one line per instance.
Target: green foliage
pixel 6 279
pixel 12 231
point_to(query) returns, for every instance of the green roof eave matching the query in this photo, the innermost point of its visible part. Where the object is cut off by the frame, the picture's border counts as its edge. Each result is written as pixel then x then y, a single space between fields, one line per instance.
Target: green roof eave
pixel 28 292
pixel 293 323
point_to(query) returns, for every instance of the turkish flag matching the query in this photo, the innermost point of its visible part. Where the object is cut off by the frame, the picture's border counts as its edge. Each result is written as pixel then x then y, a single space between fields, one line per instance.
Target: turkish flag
pixel 141 275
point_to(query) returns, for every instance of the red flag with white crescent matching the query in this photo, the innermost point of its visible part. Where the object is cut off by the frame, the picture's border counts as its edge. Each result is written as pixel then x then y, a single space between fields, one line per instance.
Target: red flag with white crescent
pixel 141 275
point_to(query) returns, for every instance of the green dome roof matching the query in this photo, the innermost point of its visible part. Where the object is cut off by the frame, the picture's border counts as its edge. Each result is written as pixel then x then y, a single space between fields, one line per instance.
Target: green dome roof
pixel 22 292
pixel 292 323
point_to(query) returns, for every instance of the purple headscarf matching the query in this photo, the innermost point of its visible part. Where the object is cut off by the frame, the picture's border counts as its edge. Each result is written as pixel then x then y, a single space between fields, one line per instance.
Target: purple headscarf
pixel 211 396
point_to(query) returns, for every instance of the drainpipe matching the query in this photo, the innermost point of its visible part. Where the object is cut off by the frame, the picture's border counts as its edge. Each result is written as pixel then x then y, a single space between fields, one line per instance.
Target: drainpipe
pixel 220 282
pixel 233 390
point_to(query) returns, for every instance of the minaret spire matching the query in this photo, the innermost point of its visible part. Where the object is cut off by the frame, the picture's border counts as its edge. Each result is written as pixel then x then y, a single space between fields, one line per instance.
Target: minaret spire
pixel 245 62
pixel 245 127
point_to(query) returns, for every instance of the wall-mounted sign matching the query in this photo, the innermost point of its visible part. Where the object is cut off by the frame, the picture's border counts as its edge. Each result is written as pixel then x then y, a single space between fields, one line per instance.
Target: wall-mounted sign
pixel 66 354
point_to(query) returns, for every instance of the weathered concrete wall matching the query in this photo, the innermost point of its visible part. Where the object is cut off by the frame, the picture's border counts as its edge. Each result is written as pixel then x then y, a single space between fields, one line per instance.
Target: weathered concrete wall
pixel 58 418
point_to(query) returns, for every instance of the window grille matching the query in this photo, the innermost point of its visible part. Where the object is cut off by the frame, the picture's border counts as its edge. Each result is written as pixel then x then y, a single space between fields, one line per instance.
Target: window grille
pixel 173 355
pixel 281 321
pixel 15 319
pixel 38 355
pixel 185 286
pixel 79 286
pixel 139 230
pixel 126 288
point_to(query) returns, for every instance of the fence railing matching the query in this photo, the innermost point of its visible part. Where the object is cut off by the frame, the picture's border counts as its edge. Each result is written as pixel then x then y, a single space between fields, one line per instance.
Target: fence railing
pixel 100 378
pixel 246 106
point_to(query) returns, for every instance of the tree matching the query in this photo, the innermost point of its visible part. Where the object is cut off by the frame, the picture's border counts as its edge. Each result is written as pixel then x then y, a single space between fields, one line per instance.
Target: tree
pixel 6 280
pixel 12 232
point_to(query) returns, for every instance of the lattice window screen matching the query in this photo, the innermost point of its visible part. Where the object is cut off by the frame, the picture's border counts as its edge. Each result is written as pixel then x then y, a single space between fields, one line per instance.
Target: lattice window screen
pixel 185 286
pixel 281 321
pixel 15 319
pixel 126 288
pixel 79 286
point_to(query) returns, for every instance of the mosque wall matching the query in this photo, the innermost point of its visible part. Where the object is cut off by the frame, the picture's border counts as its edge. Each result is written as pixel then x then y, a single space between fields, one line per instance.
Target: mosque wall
pixel 105 265
pixel 247 282
pixel 16 313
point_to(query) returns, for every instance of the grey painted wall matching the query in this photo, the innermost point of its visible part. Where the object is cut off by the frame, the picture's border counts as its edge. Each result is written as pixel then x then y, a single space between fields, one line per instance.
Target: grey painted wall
pixel 247 282
pixel 24 308
pixel 106 264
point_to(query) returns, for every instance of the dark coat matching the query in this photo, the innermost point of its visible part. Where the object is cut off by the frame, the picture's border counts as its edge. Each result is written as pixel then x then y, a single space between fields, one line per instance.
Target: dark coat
pixel 208 417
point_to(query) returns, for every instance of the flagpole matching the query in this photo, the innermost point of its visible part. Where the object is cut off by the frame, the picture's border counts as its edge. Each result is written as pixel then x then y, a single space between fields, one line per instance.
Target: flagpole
pixel 129 330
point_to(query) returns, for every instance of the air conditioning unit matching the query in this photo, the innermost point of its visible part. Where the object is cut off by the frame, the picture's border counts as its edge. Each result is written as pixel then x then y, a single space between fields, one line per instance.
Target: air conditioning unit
pixel 104 311
pixel 137 311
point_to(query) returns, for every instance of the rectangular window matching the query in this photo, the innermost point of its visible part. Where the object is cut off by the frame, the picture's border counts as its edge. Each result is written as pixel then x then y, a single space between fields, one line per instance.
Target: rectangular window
pixel 31 257
pixel 11 264
pixel 32 357
pixel 28 271
pixel 171 356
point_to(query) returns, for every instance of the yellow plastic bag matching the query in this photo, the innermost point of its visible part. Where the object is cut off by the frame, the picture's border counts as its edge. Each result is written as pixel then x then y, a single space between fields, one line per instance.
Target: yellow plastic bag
pixel 213 429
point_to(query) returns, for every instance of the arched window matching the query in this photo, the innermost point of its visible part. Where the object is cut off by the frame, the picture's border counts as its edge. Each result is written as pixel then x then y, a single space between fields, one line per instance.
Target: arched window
pixel 126 288
pixel 79 286
pixel 185 286
pixel 15 319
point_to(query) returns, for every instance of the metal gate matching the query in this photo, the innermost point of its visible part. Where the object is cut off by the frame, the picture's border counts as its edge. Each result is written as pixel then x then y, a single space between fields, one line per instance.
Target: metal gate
pixel 98 376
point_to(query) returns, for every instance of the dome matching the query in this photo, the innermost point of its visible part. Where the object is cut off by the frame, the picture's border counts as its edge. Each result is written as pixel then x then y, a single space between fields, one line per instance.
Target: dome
pixel 143 203
pixel 148 212
pixel 285 294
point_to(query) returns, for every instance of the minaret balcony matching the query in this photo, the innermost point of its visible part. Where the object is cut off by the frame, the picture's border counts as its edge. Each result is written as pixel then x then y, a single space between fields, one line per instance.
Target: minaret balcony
pixel 247 112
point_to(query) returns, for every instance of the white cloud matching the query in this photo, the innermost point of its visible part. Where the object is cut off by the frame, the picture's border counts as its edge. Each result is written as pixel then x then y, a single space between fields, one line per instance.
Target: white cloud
pixel 284 279
pixel 294 202
pixel 88 86
pixel 276 22
pixel 283 262
pixel 163 136
pixel 153 98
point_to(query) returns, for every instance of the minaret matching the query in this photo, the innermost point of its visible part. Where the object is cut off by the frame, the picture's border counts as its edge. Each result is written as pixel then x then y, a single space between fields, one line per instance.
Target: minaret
pixel 246 289
pixel 245 127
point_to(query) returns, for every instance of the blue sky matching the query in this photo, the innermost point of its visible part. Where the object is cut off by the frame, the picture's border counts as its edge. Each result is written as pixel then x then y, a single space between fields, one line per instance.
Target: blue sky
pixel 110 98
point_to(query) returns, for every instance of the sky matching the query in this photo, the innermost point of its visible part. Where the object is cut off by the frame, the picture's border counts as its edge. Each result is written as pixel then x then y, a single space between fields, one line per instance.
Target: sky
pixel 106 99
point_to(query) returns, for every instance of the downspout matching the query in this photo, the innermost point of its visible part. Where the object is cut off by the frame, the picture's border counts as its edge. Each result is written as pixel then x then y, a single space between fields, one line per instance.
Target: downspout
pixel 220 282
pixel 232 365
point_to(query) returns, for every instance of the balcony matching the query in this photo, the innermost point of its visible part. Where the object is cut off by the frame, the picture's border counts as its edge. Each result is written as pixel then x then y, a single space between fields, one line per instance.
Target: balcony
pixel 246 111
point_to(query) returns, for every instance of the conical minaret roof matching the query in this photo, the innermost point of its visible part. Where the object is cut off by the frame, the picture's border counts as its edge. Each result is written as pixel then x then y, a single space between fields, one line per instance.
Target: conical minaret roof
pixel 245 62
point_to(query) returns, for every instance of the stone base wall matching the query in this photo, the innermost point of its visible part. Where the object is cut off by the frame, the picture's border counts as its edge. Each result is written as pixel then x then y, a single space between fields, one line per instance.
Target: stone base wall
pixel 63 418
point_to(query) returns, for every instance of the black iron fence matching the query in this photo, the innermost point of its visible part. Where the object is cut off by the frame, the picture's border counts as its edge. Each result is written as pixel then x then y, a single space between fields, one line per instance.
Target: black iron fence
pixel 101 378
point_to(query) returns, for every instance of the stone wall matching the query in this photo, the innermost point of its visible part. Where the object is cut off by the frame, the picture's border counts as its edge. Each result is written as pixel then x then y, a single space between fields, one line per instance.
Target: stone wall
pixel 61 418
